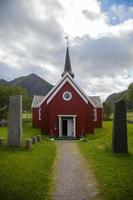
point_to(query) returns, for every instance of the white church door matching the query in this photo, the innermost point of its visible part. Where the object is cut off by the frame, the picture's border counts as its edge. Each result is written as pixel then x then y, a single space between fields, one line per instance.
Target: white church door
pixel 67 125
pixel 70 127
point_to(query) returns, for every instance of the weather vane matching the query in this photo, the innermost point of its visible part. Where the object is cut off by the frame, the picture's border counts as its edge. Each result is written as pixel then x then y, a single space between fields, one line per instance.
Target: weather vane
pixel 67 39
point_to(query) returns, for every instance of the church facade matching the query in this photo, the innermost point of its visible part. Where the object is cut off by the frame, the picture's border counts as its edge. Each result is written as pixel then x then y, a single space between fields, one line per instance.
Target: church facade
pixel 66 111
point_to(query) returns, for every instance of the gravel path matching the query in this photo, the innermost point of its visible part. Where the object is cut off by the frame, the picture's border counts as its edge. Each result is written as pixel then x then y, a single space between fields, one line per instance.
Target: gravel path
pixel 74 181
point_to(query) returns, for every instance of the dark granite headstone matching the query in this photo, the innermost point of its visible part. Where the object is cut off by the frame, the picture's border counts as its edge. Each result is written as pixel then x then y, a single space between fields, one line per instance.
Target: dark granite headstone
pixel 119 140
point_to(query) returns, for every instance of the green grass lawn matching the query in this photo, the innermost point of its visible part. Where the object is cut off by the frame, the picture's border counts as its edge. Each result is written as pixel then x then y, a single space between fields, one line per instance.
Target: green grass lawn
pixel 26 175
pixel 130 116
pixel 114 172
pixel 28 131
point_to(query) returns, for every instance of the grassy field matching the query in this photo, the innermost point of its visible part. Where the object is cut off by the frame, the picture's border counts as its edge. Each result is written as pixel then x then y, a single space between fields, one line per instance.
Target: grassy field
pixel 130 116
pixel 28 131
pixel 114 172
pixel 26 175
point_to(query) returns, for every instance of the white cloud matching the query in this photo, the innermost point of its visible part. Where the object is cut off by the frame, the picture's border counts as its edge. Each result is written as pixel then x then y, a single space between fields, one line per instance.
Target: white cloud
pixel 75 24
pixel 32 40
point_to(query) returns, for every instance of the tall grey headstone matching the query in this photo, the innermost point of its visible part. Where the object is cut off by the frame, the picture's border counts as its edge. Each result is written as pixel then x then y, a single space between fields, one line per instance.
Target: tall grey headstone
pixel 119 140
pixel 15 121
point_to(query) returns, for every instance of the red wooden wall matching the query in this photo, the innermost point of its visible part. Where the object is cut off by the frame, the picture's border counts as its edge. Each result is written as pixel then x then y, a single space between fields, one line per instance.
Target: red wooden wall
pixel 98 123
pixel 58 106
pixel 36 123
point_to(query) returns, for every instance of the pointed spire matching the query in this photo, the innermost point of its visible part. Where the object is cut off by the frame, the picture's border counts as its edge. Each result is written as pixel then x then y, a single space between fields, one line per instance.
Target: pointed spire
pixel 67 67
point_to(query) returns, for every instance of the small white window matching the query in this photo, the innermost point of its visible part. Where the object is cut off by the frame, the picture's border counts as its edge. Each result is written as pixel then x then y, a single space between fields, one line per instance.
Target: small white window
pixel 39 113
pixel 94 114
pixel 67 96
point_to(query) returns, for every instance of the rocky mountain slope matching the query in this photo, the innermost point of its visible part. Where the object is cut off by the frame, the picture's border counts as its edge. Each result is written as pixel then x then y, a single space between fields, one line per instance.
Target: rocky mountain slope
pixel 33 83
pixel 111 99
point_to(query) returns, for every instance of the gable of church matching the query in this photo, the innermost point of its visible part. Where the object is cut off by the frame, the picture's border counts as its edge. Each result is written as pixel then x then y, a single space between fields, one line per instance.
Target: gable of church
pixel 69 84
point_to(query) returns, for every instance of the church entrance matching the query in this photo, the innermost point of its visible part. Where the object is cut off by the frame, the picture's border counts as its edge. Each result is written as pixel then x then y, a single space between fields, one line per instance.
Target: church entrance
pixel 67 125
pixel 64 127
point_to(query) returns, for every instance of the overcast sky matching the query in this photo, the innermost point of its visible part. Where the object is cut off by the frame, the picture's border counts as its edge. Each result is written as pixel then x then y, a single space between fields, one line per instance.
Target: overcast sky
pixel 101 41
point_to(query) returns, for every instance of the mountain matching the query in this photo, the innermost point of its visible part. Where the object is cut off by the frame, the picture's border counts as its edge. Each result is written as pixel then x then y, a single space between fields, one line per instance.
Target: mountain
pixel 2 81
pixel 111 99
pixel 116 96
pixel 33 83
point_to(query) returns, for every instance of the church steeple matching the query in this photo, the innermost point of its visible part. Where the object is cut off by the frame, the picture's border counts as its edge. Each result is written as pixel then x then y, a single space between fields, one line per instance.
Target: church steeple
pixel 67 67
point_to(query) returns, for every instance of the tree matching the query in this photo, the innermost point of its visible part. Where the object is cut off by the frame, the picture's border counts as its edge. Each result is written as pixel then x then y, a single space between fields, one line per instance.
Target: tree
pixel 130 92
pixel 5 92
pixel 27 101
pixel 106 110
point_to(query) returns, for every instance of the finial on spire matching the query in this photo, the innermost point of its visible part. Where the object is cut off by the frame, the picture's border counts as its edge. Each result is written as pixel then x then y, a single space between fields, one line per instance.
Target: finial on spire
pixel 67 39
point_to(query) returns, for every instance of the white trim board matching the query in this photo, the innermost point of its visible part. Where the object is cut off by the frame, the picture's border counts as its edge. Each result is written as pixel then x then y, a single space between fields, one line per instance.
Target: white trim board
pixel 67 75
pixel 54 88
pixel 67 115
pixel 60 124
pixel 95 114
pixel 87 97
pixel 74 87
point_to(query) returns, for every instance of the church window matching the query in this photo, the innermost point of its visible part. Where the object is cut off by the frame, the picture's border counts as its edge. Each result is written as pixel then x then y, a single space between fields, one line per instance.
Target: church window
pixel 39 113
pixel 94 114
pixel 67 96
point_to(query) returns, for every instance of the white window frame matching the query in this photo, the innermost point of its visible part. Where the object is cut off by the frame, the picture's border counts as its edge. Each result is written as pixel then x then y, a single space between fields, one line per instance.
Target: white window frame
pixel 69 96
pixel 94 114
pixel 39 113
pixel 74 124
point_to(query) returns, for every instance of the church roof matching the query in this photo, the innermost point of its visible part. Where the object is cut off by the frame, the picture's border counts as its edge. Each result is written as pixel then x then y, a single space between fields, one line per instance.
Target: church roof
pixel 96 100
pixel 67 67
pixel 36 101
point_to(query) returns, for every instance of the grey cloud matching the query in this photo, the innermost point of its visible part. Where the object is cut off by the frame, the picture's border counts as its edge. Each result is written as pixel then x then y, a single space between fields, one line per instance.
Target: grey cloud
pixel 102 65
pixel 37 43
pixel 103 56
pixel 17 23
pixel 52 5
pixel 90 15
pixel 41 40
pixel 10 72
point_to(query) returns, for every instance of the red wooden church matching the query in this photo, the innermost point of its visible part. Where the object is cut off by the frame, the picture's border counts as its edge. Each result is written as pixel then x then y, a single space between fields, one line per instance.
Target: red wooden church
pixel 66 111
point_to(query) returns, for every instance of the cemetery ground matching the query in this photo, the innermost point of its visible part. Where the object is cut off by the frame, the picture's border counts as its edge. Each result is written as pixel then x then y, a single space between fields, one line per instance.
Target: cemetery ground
pixel 114 172
pixel 25 174
pixel 29 175
pixel 129 116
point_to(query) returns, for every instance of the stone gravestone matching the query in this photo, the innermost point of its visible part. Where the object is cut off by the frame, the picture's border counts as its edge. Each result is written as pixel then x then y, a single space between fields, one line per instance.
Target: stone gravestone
pixel 3 122
pixel 119 140
pixel 15 121
pixel 28 144
pixel 38 138
pixel 34 140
